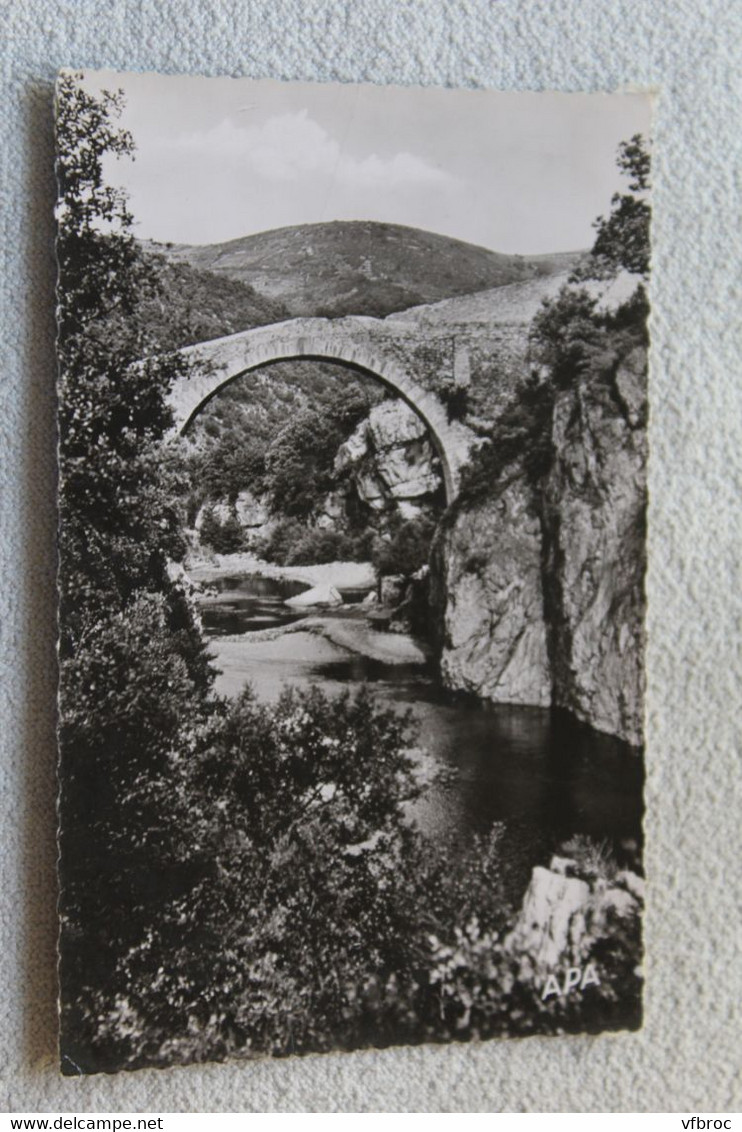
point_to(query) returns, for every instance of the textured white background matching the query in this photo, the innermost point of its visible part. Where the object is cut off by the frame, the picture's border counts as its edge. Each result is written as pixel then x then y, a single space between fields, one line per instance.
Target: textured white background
pixel 685 1057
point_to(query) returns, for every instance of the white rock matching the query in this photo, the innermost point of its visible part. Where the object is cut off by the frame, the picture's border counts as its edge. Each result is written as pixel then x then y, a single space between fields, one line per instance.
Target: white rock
pixel 354 448
pixel 318 595
pixel 632 883
pixel 563 865
pixel 393 423
pixel 222 512
pixel 371 491
pixel 418 481
pixel 619 901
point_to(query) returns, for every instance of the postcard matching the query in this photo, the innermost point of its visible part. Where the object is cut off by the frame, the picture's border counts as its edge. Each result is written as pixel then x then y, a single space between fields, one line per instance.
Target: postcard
pixel 352 441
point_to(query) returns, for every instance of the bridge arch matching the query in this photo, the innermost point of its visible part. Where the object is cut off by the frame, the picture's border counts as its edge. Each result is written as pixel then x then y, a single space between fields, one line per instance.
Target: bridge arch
pixel 222 360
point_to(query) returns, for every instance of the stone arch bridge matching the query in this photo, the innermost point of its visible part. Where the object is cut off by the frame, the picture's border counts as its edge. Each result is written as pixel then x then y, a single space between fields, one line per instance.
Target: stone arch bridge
pixel 414 362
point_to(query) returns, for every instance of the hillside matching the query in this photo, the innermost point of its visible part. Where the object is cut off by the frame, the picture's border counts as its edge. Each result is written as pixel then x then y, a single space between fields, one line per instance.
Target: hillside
pixel 360 267
pixel 196 306
pixel 515 302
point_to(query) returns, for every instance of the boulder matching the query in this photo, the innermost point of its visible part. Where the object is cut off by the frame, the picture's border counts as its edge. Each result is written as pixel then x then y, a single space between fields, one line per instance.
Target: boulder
pixel 371 490
pixel 408 472
pixel 409 510
pixel 322 595
pixel 251 511
pixel 563 917
pixel 222 512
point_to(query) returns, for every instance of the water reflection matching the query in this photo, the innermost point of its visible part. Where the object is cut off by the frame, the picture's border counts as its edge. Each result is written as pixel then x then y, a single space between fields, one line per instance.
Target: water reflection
pixel 540 771
pixel 532 765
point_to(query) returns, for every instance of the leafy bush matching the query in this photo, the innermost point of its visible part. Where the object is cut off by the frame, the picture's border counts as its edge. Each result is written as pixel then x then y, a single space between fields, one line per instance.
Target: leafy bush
pixel 309 892
pixel 594 860
pixel 320 546
pixel 291 543
pixel 456 400
pixel 299 460
pixel 573 341
pixel 407 547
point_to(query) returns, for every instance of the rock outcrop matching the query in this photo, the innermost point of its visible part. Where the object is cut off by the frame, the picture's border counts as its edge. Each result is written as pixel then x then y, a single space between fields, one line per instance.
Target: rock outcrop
pixel 538 586
pixel 486 592
pixel 564 915
pixel 252 513
pixel 391 460
pixel 594 523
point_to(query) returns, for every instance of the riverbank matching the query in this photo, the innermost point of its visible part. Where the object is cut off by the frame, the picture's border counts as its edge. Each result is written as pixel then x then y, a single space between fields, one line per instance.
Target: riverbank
pixel 341 575
pixel 350 634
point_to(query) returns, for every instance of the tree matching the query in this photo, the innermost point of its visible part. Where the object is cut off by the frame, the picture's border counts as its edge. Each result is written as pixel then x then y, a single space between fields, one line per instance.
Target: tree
pixel 622 238
pixel 622 241
pixel 572 336
pixel 407 546
pixel 133 670
pixel 307 906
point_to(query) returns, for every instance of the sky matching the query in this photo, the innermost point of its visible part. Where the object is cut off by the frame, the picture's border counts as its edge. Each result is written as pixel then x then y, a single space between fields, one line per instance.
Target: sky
pixel 217 159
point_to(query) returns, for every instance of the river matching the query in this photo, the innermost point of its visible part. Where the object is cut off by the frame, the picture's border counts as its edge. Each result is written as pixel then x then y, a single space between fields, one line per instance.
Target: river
pixel 533 769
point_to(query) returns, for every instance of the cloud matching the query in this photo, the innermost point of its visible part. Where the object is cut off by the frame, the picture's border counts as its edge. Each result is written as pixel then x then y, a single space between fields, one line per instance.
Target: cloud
pixel 287 147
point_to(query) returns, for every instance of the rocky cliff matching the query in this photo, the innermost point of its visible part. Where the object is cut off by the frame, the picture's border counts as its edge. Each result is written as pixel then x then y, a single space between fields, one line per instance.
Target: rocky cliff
pixel 537 584
pixel 486 589
pixel 390 462
pixel 594 525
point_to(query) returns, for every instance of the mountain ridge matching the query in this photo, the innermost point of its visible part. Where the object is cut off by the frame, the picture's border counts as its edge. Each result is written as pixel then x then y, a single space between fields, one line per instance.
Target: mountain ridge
pixel 371 268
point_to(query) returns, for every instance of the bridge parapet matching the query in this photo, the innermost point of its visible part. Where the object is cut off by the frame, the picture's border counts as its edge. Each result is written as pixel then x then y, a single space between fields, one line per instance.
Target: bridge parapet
pixel 414 363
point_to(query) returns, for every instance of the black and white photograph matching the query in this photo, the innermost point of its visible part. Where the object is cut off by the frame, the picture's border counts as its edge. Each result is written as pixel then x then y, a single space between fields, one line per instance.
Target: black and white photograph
pixel 352 407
